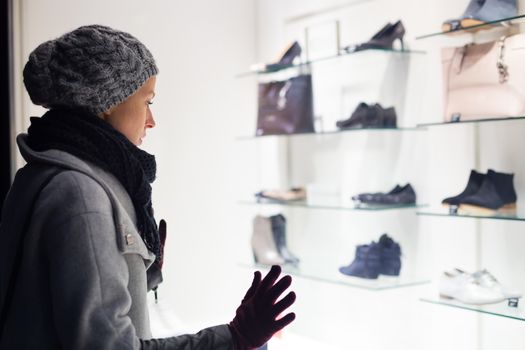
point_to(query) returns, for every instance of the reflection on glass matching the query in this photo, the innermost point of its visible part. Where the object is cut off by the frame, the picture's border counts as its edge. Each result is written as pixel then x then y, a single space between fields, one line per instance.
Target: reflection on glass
pixel 348 206
pixel 472 28
pixel 518 215
pixel 495 119
pixel 500 309
pixel 313 270
pixel 343 53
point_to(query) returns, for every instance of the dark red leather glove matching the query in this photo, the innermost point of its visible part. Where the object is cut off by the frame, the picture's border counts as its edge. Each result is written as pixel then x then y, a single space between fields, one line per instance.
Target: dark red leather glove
pixel 255 319
pixel 162 234
pixel 155 271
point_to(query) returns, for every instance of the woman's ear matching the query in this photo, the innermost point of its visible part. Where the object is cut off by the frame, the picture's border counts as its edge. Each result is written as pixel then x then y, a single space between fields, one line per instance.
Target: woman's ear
pixel 104 115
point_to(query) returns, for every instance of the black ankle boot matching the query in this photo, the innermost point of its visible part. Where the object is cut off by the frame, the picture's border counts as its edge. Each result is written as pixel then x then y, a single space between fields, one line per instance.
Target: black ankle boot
pixel 496 193
pixel 474 183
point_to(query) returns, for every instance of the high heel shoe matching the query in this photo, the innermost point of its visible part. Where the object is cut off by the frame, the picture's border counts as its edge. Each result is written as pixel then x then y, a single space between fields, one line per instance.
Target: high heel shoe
pixel 286 59
pixel 384 39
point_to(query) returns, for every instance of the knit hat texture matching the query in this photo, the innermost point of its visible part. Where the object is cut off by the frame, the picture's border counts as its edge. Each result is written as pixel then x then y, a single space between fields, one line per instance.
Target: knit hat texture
pixel 92 68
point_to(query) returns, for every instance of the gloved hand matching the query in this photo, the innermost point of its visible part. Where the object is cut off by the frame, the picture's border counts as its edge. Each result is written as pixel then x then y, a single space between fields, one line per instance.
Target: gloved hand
pixel 162 234
pixel 254 323
pixel 154 273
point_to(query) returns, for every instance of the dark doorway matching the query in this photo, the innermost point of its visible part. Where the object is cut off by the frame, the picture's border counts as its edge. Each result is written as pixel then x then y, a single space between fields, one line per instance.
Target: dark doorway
pixel 5 110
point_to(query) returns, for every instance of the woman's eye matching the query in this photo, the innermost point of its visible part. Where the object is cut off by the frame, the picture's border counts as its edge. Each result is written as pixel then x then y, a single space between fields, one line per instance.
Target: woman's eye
pixel 150 102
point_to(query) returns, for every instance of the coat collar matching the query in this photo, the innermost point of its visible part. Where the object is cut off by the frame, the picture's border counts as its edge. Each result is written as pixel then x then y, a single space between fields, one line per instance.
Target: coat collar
pixel 128 239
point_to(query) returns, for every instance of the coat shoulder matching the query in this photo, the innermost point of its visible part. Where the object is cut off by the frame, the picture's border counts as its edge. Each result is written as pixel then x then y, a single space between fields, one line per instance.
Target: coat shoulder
pixel 72 193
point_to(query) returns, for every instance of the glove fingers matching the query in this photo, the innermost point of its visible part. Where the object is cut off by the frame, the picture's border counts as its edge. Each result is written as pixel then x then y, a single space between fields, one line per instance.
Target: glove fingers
pixel 279 288
pixel 255 284
pixel 283 304
pixel 162 231
pixel 283 322
pixel 269 279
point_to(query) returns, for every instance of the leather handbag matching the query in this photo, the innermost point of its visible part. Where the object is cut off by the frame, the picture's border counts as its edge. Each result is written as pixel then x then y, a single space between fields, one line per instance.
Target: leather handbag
pixel 285 107
pixel 485 81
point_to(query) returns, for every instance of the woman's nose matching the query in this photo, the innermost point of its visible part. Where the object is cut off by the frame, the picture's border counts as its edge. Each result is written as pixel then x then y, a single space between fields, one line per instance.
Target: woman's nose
pixel 150 121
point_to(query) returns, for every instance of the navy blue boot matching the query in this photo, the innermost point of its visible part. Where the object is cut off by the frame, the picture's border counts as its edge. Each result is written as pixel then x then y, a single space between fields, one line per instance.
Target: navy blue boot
pixel 367 262
pixel 390 256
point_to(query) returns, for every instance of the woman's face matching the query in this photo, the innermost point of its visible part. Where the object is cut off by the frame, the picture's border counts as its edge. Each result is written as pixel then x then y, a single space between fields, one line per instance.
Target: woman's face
pixel 133 116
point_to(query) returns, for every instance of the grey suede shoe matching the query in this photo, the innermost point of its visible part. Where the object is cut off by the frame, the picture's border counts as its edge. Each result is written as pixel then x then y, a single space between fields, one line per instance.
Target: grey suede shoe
pixel 493 10
pixel 480 12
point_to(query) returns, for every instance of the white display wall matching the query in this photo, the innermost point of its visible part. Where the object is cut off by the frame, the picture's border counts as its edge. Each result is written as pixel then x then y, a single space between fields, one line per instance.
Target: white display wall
pixel 436 161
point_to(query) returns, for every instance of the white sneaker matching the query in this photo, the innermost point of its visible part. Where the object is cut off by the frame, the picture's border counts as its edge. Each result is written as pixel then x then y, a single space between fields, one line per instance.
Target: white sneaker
pixel 487 280
pixel 467 289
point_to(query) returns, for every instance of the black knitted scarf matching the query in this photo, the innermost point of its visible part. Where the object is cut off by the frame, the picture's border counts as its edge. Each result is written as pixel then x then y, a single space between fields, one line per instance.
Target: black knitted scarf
pixel 90 138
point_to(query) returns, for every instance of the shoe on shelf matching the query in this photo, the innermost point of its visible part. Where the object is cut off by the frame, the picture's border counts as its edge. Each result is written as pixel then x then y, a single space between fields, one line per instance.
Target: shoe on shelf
pixel 370 197
pixel 285 59
pixel 293 194
pixel 370 116
pixel 487 280
pixel 374 259
pixel 474 183
pixel 390 256
pixel 384 39
pixel 397 196
pixel 279 235
pixel 367 262
pixel 466 288
pixel 263 245
pixel 480 12
pixel 495 195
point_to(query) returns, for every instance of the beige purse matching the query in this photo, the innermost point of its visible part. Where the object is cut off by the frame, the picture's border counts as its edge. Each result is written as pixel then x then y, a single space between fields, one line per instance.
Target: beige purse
pixel 482 81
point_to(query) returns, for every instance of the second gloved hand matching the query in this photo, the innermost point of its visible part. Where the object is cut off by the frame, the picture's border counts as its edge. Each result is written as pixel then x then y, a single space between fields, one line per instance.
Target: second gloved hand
pixel 255 319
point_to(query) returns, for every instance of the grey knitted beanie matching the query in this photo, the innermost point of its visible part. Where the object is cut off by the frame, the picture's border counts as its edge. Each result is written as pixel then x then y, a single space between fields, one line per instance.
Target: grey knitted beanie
pixel 92 68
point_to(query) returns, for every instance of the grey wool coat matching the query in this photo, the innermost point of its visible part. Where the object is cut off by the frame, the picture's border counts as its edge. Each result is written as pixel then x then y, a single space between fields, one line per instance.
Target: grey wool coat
pixel 82 281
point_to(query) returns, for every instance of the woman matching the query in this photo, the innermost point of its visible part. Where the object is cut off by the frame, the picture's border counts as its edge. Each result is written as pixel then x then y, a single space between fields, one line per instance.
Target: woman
pixel 80 246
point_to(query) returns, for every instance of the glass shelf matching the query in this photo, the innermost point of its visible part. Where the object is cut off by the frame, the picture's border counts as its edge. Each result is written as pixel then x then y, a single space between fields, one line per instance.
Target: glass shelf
pixel 495 119
pixel 303 204
pixel 332 275
pixel 333 132
pixel 327 58
pixel 470 28
pixel 444 212
pixel 499 309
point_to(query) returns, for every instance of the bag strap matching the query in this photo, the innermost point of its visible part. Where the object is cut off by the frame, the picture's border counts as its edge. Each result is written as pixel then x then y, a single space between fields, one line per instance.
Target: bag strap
pixel 503 68
pixel 34 177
